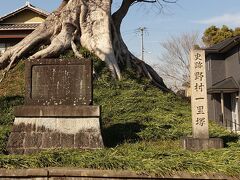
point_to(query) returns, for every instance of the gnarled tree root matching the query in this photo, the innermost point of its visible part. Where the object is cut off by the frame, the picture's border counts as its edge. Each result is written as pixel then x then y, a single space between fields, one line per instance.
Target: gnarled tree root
pixel 91 25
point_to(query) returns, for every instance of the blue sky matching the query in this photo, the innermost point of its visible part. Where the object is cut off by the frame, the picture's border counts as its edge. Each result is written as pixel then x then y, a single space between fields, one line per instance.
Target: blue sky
pixel 185 16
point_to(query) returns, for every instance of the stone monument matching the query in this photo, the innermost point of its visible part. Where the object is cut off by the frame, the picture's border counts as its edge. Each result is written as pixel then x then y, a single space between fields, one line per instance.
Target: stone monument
pixel 58 111
pixel 200 139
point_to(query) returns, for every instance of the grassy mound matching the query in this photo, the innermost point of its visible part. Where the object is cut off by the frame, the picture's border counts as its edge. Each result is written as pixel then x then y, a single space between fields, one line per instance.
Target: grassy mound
pixel 142 128
pixel 155 158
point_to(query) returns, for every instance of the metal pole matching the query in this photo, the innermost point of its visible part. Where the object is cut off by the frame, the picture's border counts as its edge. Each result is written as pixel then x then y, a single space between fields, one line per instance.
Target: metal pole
pixel 142 44
pixel 142 29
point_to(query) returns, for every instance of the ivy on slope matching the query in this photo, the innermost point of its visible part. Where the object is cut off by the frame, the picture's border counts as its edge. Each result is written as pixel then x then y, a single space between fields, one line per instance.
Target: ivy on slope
pixel 141 127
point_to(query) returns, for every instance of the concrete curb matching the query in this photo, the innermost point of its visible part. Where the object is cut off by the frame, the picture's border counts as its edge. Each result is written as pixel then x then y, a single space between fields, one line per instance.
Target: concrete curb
pixel 89 174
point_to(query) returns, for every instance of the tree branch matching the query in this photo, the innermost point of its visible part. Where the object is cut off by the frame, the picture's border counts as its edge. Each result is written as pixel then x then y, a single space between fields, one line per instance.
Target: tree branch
pixel 62 5
pixel 121 12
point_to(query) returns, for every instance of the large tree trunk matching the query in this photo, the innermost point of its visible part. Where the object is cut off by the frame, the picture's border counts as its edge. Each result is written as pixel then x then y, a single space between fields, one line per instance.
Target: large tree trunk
pixel 90 24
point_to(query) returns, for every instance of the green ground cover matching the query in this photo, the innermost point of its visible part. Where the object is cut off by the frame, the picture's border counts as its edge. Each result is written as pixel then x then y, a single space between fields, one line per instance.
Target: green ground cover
pixel 142 128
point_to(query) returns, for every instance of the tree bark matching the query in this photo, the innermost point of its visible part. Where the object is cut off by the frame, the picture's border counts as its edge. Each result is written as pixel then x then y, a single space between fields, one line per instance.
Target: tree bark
pixel 90 24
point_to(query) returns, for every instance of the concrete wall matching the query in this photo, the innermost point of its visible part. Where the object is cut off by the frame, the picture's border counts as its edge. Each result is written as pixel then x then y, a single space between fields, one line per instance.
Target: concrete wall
pixel 87 174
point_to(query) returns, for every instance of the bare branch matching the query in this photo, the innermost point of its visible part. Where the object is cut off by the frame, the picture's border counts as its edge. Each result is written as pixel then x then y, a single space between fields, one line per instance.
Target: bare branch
pixel 121 12
pixel 62 5
pixel 126 4
pixel 175 59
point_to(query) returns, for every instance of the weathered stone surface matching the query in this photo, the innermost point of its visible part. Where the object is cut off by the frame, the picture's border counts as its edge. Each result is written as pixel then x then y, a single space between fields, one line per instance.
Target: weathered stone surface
pixel 51 140
pixel 19 128
pixel 67 140
pixel 52 133
pixel 58 82
pixel 57 111
pixel 32 151
pixel 82 139
pixel 95 140
pixel 41 129
pixel 195 144
pixel 66 125
pixel 89 138
pixel 16 140
pixel 199 95
pixel 91 174
pixel 13 150
pixel 200 130
pixel 24 173
pixel 25 126
pixel 33 140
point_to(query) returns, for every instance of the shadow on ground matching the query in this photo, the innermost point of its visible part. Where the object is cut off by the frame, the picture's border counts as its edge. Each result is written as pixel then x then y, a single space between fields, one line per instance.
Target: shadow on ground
pixel 234 138
pixel 120 133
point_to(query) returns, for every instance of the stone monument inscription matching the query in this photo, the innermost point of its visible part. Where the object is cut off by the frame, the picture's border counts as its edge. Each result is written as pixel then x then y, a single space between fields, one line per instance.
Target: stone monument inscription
pixel 58 110
pixel 51 82
pixel 199 95
pixel 200 134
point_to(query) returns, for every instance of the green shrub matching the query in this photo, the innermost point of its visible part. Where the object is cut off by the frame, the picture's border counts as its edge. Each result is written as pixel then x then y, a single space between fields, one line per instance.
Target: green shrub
pixel 6 108
pixel 4 134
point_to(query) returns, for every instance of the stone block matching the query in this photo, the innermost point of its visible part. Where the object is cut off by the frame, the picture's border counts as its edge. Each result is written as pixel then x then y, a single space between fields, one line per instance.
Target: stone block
pixel 15 150
pixel 67 140
pixel 57 111
pixel 33 140
pixel 32 151
pixel 95 141
pixel 16 140
pixel 30 128
pixel 41 129
pixel 196 144
pixel 51 140
pixel 23 126
pixel 19 127
pixel 23 173
pixel 52 133
pixel 82 139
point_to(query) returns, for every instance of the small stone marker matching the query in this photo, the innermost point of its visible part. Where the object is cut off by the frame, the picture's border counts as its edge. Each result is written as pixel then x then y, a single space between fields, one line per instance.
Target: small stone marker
pixel 58 110
pixel 200 138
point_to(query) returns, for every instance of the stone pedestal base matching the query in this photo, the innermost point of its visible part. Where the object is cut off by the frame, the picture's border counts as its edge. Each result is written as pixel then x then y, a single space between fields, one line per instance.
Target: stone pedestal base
pixel 43 129
pixel 30 135
pixel 195 144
